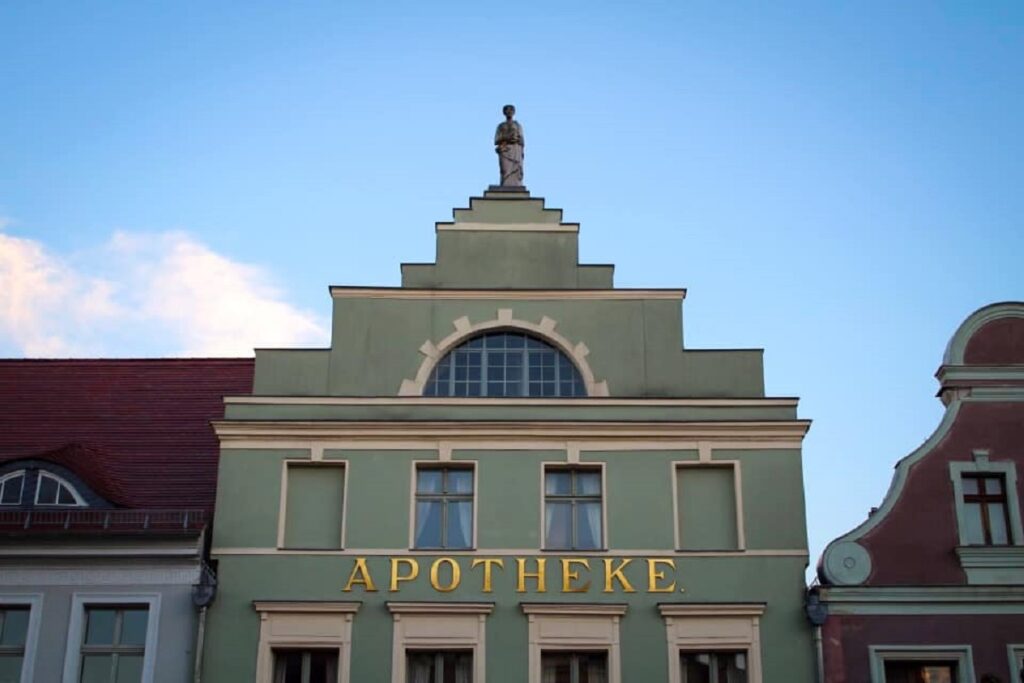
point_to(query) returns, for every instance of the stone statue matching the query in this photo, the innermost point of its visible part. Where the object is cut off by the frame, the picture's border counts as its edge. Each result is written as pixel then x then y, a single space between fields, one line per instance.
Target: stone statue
pixel 509 144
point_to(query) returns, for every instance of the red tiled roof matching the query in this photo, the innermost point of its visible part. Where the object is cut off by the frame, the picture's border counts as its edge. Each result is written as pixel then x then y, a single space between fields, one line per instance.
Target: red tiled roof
pixel 137 431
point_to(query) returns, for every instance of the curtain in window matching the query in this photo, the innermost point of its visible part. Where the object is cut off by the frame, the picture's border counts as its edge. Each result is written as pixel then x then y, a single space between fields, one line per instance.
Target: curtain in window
pixel 463 670
pixel 596 672
pixel 419 669
pixel 549 674
pixel 589 529
pixel 464 513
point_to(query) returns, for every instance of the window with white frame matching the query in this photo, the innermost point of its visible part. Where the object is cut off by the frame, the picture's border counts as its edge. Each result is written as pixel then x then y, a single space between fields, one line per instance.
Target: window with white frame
pixel 53 490
pixel 713 643
pixel 574 643
pixel 573 508
pixel 11 487
pixel 713 666
pixel 921 664
pixel 574 667
pixel 14 621
pixel 985 495
pixel 305 666
pixel 437 642
pixel 444 507
pixel 439 666
pixel 114 643
pixel 304 642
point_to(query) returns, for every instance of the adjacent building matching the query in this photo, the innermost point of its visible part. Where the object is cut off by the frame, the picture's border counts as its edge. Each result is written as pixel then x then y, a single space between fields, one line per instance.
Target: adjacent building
pixel 931 586
pixel 509 470
pixel 107 478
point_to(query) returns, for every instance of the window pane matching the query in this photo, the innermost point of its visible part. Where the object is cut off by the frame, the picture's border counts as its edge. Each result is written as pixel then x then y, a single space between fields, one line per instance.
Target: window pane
pixel 323 667
pixel 588 483
pixel 997 523
pixel 696 667
pixel 97 668
pixel 558 483
pixel 460 481
pixel 556 668
pixel 47 491
pixel 558 529
pixel 99 628
pixel 993 486
pixel 732 667
pixel 133 627
pixel 288 666
pixel 64 496
pixel 970 485
pixel 975 531
pixel 429 481
pixel 10 668
pixel 588 525
pixel 592 668
pixel 919 672
pixel 419 667
pixel 12 490
pixel 15 627
pixel 129 669
pixel 428 524
pixel 460 524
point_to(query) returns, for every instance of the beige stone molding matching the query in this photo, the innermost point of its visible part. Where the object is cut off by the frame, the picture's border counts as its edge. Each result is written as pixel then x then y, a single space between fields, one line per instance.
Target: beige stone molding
pixel 572 608
pixel 505 402
pixel 464 330
pixel 697 627
pixel 293 624
pixel 507 227
pixel 508 294
pixel 439 626
pixel 520 434
pixel 570 626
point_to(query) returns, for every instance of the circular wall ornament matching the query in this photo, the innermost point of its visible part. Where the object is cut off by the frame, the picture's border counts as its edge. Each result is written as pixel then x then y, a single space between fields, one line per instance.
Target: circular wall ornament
pixel 847 564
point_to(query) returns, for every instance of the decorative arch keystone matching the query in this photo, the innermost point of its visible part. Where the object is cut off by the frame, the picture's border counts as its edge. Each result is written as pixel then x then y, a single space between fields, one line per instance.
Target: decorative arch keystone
pixel 433 352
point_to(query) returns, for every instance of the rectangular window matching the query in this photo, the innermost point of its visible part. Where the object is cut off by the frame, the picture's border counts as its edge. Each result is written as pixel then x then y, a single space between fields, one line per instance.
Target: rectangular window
pixel 113 643
pixel 897 671
pixel 13 633
pixel 314 506
pixel 305 666
pixel 438 667
pixel 713 667
pixel 574 667
pixel 444 507
pixel 573 515
pixel 707 507
pixel 986 514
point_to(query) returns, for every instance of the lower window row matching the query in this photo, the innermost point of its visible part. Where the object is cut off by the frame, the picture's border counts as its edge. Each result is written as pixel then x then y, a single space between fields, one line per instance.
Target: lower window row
pixel 456 666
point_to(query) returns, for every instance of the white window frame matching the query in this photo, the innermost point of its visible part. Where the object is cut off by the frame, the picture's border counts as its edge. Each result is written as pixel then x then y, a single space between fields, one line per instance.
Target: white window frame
pixel 706 627
pixel 12 475
pixel 79 501
pixel 282 515
pixel 301 625
pixel 1015 652
pixel 76 626
pixel 34 602
pixel 439 626
pixel 442 465
pixel 574 628
pixel 578 465
pixel 961 654
pixel 737 481
pixel 982 465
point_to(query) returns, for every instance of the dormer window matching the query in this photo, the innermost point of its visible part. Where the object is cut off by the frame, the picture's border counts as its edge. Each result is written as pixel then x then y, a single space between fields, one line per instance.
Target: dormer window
pixel 505 364
pixel 11 486
pixel 52 490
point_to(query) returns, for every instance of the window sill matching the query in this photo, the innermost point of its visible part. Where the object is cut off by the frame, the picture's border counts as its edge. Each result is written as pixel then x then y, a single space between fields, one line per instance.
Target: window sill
pixel 992 564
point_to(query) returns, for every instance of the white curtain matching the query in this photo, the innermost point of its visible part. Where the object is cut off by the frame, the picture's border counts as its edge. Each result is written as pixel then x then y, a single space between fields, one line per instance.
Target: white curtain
pixel 466 526
pixel 548 673
pixel 596 672
pixel 593 512
pixel 419 670
pixel 464 670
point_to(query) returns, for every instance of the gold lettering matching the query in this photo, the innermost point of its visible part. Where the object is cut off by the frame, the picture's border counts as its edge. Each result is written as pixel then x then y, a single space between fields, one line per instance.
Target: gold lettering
pixel 360 574
pixel 615 574
pixel 488 563
pixel 523 575
pixel 568 576
pixel 435 570
pixel 653 576
pixel 414 571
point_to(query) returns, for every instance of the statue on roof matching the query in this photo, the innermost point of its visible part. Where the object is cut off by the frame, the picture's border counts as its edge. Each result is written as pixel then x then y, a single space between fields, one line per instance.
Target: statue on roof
pixel 509 144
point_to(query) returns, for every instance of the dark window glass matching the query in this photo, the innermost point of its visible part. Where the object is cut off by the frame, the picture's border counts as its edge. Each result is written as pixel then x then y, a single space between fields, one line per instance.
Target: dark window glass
pixel 920 672
pixel 305 666
pixel 10 489
pixel 505 364
pixel 713 667
pixel 438 667
pixel 444 507
pixel 573 513
pixel 986 511
pixel 52 491
pixel 574 667
pixel 114 644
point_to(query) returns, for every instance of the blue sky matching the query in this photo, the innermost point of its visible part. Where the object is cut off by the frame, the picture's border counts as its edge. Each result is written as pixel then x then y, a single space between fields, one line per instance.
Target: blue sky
pixel 838 183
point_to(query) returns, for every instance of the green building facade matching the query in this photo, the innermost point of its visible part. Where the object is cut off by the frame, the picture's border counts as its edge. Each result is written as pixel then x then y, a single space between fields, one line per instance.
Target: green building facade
pixel 507 470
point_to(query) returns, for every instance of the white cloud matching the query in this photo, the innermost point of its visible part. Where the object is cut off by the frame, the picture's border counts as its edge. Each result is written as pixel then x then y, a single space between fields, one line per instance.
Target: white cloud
pixel 168 288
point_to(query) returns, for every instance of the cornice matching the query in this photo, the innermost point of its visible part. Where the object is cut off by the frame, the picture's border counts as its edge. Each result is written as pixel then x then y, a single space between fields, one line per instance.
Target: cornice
pixel 607 610
pixel 446 226
pixel 922 594
pixel 306 607
pixel 506 294
pixel 440 607
pixel 675 609
pixel 235 430
pixel 506 402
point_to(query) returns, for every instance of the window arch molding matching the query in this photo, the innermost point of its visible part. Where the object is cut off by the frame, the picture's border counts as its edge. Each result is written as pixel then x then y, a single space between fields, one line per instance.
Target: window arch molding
pixel 464 330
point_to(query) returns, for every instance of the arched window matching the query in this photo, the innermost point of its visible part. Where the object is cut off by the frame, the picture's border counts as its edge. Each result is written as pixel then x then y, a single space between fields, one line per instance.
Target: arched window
pixel 52 490
pixel 505 364
pixel 11 486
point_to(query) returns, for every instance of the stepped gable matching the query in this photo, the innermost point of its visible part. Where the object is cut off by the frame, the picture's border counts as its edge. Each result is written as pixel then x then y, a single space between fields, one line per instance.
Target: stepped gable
pixel 136 431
